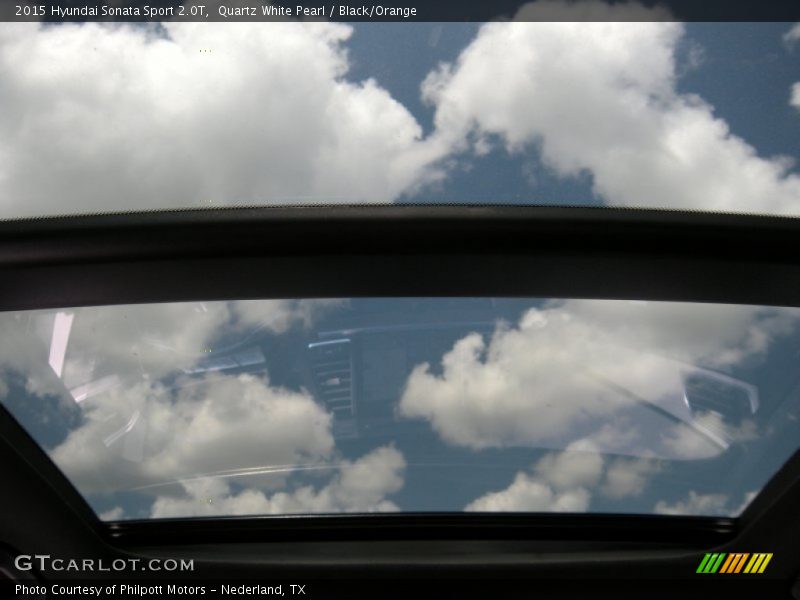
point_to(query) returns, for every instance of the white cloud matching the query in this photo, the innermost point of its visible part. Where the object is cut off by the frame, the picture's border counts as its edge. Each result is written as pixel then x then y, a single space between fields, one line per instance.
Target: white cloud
pixel 108 117
pixel 280 315
pixel 518 390
pixel 158 339
pixel 360 486
pixel 793 35
pixel 695 504
pixel 153 339
pixel 159 426
pixel 628 477
pixel 530 494
pixel 113 117
pixel 717 335
pixel 569 469
pixel 113 514
pixel 227 423
pixel 684 441
pixel 794 100
pixel 704 504
pixel 146 421
pixel 582 369
pixel 601 98
pixel 22 355
pixel 565 481
pixel 559 483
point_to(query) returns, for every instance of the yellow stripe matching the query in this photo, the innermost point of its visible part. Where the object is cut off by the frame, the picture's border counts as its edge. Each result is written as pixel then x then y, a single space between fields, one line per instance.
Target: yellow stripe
pixel 753 560
pixel 765 563
pixel 758 564
pixel 740 564
pixel 727 562
pixel 759 559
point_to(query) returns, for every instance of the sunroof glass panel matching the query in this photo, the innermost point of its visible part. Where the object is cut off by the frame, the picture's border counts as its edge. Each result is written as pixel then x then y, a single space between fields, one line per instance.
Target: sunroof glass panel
pixel 321 406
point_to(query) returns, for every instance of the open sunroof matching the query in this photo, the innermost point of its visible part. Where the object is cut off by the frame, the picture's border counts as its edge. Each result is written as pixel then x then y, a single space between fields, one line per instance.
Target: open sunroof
pixel 626 109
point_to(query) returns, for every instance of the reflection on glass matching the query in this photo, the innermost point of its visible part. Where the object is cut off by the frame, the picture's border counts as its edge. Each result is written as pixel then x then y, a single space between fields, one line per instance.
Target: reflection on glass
pixel 407 404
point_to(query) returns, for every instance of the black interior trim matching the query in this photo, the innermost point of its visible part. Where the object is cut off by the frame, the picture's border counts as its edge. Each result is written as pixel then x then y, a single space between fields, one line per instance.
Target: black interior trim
pixel 399 229
pixel 644 529
pixel 399 251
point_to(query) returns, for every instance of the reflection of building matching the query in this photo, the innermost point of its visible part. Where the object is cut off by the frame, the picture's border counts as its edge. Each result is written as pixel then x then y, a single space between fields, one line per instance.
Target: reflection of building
pixel 359 373
pixel 331 364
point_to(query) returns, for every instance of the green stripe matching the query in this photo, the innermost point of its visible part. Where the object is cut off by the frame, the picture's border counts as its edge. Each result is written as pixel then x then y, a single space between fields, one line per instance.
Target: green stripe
pixel 710 563
pixel 703 563
pixel 717 564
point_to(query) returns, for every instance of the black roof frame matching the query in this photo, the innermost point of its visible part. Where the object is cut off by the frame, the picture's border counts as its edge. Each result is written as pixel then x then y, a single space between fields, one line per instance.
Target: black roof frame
pixel 377 251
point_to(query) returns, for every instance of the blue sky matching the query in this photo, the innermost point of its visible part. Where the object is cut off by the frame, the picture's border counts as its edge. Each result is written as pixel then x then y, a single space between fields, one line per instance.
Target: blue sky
pixel 745 70
pixel 691 116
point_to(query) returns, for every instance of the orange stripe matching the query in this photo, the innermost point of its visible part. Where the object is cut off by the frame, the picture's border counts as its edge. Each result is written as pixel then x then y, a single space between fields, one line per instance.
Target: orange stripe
pixel 736 558
pixel 736 561
pixel 727 562
pixel 741 562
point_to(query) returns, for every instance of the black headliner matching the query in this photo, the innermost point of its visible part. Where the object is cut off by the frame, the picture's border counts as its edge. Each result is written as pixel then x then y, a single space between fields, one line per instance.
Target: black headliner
pixel 399 251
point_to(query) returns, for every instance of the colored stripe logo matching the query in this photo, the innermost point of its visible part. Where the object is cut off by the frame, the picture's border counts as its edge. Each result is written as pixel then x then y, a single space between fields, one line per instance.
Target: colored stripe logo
pixel 734 562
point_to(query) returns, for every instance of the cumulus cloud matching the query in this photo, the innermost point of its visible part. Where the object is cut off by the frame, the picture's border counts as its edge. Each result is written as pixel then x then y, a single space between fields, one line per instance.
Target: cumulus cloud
pixel 626 478
pixel 794 99
pixel 718 335
pixel 793 35
pixel 609 371
pixel 601 98
pixel 154 340
pixel 16 351
pixel 116 369
pixel 280 315
pixel 111 117
pixel 520 389
pixel 529 494
pixel 148 434
pixel 695 504
pixel 684 441
pixel 113 514
pixel 359 486
pixel 107 116
pixel 24 344
pixel 565 482
pixel 570 469
pixel 704 504
pixel 163 426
